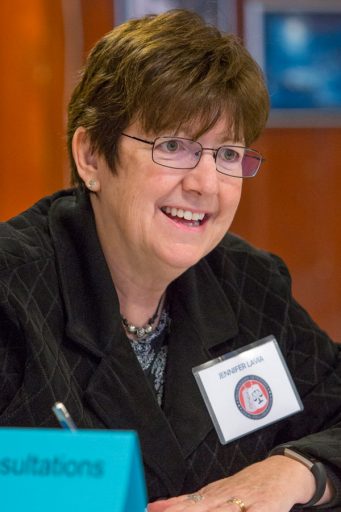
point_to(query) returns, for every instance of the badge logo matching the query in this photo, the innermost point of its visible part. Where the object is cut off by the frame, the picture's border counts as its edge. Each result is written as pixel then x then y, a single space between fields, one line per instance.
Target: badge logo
pixel 253 397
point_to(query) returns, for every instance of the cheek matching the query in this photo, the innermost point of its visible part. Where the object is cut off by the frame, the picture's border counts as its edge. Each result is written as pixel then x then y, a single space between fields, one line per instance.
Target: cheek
pixel 238 194
pixel 129 209
pixel 230 197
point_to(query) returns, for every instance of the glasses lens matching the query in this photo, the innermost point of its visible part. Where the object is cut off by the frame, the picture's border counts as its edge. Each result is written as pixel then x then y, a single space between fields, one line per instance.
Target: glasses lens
pixel 176 152
pixel 238 161
pixel 251 163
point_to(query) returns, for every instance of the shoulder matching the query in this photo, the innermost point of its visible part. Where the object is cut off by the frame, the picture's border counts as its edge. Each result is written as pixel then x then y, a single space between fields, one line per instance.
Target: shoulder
pixel 26 238
pixel 250 276
pixel 236 257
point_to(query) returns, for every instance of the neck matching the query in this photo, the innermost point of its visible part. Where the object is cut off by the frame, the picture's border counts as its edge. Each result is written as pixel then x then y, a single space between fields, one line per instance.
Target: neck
pixel 139 312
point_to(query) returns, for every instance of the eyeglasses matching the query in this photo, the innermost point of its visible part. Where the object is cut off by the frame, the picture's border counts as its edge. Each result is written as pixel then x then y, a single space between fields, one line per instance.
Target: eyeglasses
pixel 182 153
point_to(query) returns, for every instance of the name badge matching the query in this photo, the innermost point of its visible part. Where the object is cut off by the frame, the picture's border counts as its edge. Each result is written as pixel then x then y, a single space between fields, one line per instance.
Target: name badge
pixel 247 389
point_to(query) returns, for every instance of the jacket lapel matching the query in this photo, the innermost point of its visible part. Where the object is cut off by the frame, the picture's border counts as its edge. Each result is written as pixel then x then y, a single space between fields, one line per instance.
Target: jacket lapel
pixel 203 319
pixel 121 396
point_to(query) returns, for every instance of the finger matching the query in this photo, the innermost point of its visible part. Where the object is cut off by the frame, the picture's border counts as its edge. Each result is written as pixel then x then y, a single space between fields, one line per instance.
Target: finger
pixel 228 507
pixel 161 505
pixel 187 506
pixel 178 504
pixel 158 506
pixel 237 503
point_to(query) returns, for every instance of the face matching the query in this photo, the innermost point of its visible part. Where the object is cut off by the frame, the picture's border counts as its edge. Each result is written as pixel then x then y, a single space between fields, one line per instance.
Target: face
pixel 162 216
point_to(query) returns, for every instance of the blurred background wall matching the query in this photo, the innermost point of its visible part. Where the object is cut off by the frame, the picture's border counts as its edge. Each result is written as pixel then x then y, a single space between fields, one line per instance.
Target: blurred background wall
pixel 292 208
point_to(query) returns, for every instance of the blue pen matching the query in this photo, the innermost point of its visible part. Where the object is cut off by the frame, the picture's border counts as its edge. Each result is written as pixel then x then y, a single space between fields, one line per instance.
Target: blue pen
pixel 63 416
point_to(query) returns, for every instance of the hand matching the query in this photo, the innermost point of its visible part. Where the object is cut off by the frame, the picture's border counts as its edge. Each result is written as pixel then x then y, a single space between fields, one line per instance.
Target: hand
pixel 276 484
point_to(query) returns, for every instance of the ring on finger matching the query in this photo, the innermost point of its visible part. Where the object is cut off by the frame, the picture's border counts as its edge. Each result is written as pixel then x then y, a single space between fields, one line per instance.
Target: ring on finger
pixel 239 502
pixel 195 497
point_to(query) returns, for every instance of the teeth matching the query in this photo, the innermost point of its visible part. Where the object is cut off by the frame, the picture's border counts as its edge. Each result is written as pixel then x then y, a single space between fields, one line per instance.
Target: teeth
pixel 186 214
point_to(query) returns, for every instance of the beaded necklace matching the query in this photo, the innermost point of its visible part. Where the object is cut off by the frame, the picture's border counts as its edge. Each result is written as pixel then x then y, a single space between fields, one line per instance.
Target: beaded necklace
pixel 147 328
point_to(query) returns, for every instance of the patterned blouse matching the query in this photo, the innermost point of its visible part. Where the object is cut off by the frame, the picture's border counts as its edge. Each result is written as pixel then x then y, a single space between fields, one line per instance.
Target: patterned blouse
pixel 151 352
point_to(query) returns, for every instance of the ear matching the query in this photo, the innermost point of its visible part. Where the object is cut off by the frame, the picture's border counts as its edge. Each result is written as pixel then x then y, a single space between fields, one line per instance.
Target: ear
pixel 86 159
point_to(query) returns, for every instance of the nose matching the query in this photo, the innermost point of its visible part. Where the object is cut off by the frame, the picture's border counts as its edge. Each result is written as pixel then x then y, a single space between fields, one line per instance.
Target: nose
pixel 204 178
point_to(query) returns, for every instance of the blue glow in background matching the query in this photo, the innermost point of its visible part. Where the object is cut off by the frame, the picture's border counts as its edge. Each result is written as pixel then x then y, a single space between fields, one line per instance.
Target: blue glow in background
pixel 303 59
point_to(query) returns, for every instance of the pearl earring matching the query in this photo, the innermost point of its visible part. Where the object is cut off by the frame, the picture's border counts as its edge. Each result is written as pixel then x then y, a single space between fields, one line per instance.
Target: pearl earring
pixel 91 184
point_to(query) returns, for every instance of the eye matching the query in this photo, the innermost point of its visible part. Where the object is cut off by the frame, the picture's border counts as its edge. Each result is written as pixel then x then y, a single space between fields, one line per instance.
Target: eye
pixel 229 155
pixel 169 145
pixel 172 145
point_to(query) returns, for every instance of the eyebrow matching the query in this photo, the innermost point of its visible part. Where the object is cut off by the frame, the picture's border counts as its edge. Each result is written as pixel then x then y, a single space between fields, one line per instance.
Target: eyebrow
pixel 227 140
pixel 222 138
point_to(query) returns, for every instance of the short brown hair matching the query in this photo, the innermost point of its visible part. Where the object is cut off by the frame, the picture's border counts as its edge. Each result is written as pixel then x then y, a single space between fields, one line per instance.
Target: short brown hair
pixel 167 71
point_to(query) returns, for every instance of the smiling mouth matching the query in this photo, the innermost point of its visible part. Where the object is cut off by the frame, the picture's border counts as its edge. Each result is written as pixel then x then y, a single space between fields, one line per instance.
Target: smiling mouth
pixel 187 217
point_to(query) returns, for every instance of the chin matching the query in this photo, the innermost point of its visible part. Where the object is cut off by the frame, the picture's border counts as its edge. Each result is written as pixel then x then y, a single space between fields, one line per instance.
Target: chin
pixel 182 261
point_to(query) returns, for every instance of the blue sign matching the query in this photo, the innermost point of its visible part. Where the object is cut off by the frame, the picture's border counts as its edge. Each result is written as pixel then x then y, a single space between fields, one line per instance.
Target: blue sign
pixel 87 470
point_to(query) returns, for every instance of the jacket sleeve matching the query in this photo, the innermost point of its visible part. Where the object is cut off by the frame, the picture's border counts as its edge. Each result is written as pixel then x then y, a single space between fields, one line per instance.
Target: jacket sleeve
pixel 315 363
pixel 12 353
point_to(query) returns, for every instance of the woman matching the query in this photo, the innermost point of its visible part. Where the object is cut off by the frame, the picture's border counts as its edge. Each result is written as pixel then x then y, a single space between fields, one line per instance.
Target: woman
pixel 112 292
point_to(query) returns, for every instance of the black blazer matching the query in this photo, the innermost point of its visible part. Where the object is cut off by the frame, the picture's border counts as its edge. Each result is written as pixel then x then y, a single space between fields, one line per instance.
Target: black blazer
pixel 61 338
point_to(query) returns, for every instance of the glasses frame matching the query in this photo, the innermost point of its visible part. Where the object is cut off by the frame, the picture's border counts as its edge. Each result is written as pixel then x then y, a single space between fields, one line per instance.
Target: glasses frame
pixel 257 155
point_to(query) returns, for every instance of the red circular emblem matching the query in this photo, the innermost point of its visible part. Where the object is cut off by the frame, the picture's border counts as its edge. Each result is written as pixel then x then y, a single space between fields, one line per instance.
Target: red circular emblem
pixel 253 397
